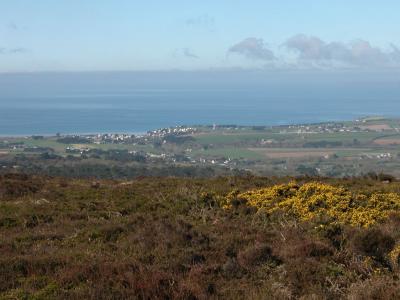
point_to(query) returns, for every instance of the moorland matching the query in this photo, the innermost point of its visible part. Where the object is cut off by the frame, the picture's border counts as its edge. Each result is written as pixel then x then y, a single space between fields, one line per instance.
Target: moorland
pixel 181 238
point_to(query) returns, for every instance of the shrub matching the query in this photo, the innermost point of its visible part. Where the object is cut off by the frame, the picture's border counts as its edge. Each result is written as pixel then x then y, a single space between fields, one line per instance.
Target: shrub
pixel 375 243
pixel 254 255
pixel 318 201
pixel 16 185
pixel 394 257
pixel 383 287
pixel 8 222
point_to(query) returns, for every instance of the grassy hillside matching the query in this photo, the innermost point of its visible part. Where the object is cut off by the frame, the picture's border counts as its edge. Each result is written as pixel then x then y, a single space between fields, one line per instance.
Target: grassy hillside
pixel 226 237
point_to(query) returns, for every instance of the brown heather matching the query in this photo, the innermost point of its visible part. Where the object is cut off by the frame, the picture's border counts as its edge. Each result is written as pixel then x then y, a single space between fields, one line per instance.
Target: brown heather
pixel 169 238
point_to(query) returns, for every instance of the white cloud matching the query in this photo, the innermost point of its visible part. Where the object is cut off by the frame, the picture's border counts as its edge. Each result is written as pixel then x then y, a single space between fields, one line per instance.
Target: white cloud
pixel 355 53
pixel 186 53
pixel 253 48
pixel 13 50
pixel 204 21
pixel 12 26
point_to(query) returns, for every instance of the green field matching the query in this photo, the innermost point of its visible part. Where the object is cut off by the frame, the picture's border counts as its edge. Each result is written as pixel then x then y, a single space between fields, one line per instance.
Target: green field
pixel 230 152
pixel 348 148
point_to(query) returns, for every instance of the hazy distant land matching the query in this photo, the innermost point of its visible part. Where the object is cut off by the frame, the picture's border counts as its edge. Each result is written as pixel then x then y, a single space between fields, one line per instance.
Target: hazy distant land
pixel 337 149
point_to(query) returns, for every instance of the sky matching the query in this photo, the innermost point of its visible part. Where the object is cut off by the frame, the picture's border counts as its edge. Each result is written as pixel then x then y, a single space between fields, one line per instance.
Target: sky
pixel 130 35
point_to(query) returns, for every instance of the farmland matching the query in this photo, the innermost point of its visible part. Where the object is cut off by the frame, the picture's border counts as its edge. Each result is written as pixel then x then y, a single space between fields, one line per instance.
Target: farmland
pixel 350 148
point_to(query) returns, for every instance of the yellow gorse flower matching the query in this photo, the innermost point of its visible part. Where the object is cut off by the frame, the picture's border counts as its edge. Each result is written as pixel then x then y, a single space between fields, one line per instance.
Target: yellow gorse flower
pixel 394 256
pixel 315 200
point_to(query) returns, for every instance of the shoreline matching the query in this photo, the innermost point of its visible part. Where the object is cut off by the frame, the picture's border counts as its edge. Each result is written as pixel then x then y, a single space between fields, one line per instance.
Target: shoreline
pixel 141 133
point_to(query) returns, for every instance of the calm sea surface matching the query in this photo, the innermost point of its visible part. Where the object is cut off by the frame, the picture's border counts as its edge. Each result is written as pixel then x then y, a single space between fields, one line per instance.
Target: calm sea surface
pixel 92 109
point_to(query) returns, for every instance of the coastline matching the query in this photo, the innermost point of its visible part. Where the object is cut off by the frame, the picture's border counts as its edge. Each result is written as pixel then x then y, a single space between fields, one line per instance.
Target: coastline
pixel 142 133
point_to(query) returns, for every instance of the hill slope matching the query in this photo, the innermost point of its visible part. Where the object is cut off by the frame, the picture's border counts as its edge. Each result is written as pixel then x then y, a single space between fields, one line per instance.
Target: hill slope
pixel 196 239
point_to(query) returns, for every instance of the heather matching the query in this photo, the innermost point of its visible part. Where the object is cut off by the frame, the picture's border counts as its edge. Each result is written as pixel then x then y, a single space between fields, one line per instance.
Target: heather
pixel 217 238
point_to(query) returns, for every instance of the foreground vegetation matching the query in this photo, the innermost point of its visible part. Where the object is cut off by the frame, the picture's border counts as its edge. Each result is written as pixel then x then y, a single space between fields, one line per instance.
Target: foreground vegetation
pixel 226 237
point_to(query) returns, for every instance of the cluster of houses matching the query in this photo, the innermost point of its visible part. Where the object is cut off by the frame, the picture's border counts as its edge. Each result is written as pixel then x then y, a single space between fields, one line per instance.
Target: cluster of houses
pixel 335 128
pixel 122 138
pixel 378 156
pixel 77 150
pixel 114 138
pixel 178 130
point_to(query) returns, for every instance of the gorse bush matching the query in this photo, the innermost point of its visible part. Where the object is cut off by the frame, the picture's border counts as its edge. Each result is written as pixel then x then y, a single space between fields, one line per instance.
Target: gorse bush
pixel 395 258
pixel 319 201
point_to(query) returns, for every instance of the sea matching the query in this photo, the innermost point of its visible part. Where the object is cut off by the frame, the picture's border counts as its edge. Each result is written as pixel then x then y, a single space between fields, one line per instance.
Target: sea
pixel 83 103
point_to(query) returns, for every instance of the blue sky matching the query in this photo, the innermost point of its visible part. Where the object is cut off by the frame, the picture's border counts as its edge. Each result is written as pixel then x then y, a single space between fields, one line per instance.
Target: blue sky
pixel 93 35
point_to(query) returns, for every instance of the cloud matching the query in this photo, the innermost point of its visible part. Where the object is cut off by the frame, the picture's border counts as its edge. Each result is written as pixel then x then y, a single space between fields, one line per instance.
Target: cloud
pixel 395 54
pixel 355 53
pixel 12 26
pixel 252 48
pixel 186 53
pixel 204 21
pixel 13 50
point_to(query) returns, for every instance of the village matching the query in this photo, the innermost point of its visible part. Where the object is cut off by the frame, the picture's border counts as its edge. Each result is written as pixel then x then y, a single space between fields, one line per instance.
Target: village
pixel 272 149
